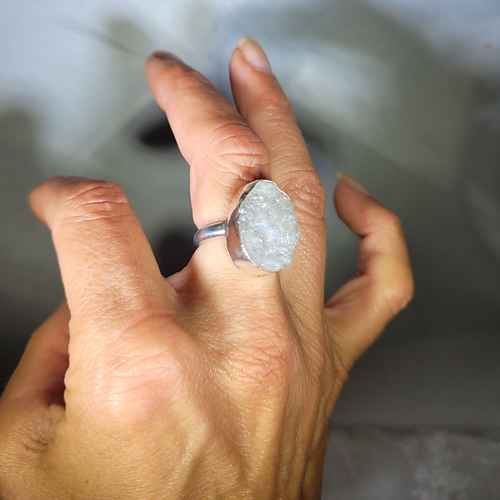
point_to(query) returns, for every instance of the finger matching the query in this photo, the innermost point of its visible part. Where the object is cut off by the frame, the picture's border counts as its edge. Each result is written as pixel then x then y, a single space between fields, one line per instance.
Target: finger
pixel 223 152
pixel 265 108
pixel 359 311
pixel 40 374
pixel 108 269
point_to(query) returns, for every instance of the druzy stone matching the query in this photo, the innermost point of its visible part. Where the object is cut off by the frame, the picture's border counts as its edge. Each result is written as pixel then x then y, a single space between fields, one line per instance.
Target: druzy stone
pixel 268 227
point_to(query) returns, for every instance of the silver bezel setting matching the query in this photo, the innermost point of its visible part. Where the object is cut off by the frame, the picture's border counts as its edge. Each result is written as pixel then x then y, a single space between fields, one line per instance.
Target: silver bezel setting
pixel 231 230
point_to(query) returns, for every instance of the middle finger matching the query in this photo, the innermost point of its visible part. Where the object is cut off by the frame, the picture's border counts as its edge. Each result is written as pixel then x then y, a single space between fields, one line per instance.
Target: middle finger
pixel 222 150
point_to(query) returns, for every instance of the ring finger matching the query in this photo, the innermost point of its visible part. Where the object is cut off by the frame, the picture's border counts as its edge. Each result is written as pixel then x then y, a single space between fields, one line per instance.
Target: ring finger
pixel 266 109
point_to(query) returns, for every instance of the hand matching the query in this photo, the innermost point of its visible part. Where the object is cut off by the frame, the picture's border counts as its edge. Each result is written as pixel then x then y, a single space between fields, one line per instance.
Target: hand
pixel 210 383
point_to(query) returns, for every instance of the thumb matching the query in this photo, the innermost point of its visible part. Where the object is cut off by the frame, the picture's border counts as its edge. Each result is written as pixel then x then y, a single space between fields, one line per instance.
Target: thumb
pixel 40 373
pixel 359 311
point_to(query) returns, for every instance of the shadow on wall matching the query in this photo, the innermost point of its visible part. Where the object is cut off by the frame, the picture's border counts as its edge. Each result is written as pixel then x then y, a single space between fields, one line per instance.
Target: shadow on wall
pixel 173 250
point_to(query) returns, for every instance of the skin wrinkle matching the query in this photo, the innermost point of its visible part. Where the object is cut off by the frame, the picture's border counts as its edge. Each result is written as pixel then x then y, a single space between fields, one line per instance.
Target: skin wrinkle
pixel 70 221
pixel 228 448
pixel 290 447
pixel 105 199
pixel 257 365
pixel 128 287
pixel 250 153
pixel 130 332
pixel 129 386
pixel 220 130
pixel 134 401
pixel 232 184
pixel 86 185
pixel 235 163
pixel 240 142
pixel 281 147
pixel 95 201
pixel 102 188
pixel 397 298
pixel 309 198
pixel 273 105
pixel 215 167
pixel 314 382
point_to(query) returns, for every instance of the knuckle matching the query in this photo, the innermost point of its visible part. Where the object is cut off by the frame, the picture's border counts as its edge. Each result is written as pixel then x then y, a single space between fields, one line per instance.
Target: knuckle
pixel 232 147
pixel 399 294
pixel 307 193
pixel 138 381
pixel 92 200
pixel 393 222
pixel 340 374
pixel 407 291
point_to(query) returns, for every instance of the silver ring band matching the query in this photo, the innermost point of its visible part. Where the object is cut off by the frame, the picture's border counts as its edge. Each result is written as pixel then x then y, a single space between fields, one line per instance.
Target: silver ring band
pixel 219 229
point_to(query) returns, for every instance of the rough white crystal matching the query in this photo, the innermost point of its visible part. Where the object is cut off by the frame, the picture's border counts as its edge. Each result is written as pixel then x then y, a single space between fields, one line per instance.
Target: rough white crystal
pixel 268 227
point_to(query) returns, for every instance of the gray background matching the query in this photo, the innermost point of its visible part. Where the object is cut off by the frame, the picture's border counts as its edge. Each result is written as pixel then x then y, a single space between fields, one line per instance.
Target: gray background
pixel 403 95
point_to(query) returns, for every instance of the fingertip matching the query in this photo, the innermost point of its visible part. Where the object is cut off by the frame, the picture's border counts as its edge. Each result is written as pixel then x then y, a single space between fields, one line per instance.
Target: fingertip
pixel 352 183
pixel 153 65
pixel 256 90
pixel 160 59
pixel 249 67
pixel 349 193
pixel 35 201
pixel 39 197
pixel 360 211
pixel 236 58
pixel 157 63
pixel 238 62
pixel 235 62
pixel 347 199
pixel 164 56
pixel 254 55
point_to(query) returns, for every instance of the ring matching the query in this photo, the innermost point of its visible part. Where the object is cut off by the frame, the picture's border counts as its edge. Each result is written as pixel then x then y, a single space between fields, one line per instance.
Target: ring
pixel 261 231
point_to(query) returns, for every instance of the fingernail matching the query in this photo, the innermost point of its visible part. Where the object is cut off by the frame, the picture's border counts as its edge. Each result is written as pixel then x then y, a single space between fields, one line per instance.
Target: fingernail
pixel 165 56
pixel 254 54
pixel 353 183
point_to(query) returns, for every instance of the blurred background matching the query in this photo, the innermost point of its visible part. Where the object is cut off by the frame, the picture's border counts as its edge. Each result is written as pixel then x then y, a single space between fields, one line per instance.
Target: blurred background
pixel 404 95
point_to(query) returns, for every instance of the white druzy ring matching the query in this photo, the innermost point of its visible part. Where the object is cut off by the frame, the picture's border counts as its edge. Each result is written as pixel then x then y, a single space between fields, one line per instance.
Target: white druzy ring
pixel 261 231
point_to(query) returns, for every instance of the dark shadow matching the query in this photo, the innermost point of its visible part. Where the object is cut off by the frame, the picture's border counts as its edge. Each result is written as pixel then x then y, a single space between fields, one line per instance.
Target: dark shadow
pixel 156 135
pixel 11 350
pixel 173 250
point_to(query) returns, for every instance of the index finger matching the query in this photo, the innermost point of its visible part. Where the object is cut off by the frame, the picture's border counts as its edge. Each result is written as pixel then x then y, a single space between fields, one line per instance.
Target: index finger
pixel 108 269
